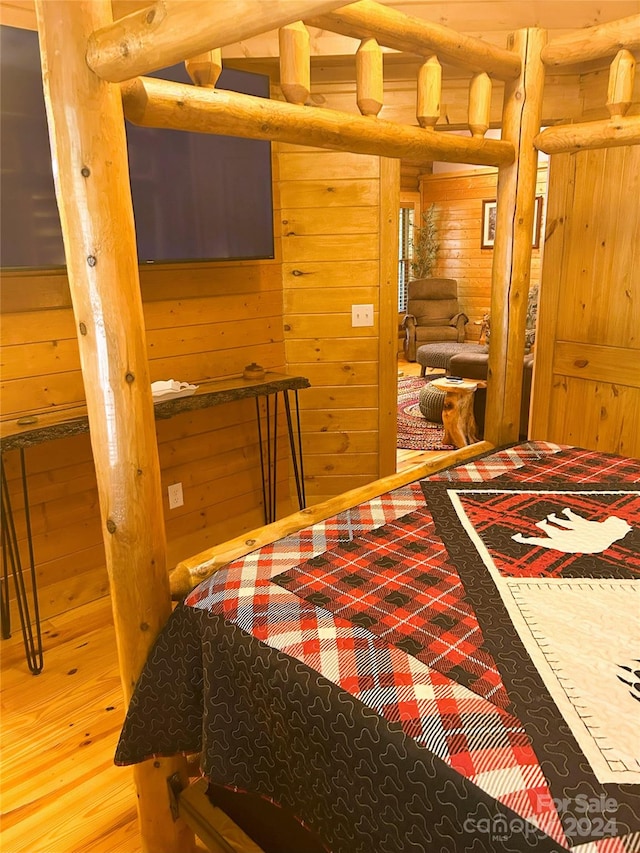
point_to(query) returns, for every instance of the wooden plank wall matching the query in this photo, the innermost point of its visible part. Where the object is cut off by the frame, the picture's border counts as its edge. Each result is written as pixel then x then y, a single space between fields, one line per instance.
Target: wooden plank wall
pixel 330 261
pixel 458 197
pixel 202 321
pixel 587 377
pixel 210 320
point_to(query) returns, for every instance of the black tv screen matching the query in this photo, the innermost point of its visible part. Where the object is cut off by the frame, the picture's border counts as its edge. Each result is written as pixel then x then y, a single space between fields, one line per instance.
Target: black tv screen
pixel 196 197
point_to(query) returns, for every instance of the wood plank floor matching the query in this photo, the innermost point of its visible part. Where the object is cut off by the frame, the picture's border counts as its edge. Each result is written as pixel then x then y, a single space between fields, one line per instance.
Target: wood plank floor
pixel 61 792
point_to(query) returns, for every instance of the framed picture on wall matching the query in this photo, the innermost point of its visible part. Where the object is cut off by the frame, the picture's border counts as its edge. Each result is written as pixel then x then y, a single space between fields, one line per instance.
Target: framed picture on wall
pixel 489 223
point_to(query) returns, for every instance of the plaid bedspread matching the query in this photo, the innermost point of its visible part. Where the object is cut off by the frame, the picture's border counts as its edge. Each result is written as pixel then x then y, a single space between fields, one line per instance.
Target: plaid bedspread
pixel 398 675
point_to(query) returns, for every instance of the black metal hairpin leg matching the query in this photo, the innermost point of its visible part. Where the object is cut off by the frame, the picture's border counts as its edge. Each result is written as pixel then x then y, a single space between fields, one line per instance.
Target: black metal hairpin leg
pixel 274 480
pixel 304 496
pixel 5 610
pixel 262 471
pixel 269 505
pixel 11 556
pixel 296 454
pixel 269 466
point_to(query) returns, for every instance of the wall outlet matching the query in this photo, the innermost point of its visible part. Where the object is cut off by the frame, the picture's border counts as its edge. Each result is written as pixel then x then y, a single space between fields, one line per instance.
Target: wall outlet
pixel 362 315
pixel 176 497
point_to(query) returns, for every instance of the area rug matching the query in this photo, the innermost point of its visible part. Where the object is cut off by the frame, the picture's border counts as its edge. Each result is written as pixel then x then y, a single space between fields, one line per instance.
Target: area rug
pixel 415 432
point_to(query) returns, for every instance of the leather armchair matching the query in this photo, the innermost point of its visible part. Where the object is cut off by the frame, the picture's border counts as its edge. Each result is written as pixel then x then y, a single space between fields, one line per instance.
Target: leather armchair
pixel 432 314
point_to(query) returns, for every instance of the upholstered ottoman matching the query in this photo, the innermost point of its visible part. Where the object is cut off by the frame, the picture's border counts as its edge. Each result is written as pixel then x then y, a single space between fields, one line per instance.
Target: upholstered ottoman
pixel 430 402
pixel 438 354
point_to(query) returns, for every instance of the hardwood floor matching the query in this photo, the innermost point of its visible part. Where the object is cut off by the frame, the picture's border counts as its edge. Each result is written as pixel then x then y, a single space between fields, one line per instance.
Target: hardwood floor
pixel 61 792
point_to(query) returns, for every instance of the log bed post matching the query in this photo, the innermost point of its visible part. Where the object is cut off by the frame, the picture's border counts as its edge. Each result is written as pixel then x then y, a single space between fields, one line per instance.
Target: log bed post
pixel 89 153
pixel 512 246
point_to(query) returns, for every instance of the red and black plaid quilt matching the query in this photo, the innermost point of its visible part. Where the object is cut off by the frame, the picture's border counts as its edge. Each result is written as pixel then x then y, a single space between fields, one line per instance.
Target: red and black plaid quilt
pixel 397 582
pixel 364 673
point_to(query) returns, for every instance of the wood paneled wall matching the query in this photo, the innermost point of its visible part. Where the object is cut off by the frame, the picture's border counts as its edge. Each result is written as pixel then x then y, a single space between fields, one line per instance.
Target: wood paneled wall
pixel 587 375
pixel 210 320
pixel 331 233
pixel 458 200
pixel 201 321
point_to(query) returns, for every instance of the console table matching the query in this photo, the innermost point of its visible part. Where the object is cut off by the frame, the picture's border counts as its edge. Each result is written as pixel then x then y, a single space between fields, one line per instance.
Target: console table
pixel 47 425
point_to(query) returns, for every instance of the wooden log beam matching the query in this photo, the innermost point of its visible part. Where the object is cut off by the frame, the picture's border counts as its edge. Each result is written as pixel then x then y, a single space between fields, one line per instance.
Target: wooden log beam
pixel 388 206
pixel 88 143
pixel 170 31
pixel 594 42
pixel 480 104
pixel 510 275
pixel 429 92
pixel 161 103
pixel 295 62
pixel 190 572
pixel 205 68
pixel 368 19
pixel 608 133
pixel 369 78
pixel 620 89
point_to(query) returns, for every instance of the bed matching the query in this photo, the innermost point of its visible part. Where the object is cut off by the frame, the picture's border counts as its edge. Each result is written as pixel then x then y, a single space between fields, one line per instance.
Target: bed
pixel 450 666
pixel 452 783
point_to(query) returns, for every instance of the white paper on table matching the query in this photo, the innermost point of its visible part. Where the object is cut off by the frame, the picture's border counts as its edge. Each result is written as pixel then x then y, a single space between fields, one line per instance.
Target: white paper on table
pixel 170 389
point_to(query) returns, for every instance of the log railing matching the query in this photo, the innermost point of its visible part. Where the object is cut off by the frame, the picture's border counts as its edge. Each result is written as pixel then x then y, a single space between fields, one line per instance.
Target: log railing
pixel 179 106
pixel 156 103
pixel 619 38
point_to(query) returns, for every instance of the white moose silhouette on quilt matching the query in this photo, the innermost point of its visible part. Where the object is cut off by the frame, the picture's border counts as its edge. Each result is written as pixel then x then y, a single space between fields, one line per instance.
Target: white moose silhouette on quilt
pixel 576 535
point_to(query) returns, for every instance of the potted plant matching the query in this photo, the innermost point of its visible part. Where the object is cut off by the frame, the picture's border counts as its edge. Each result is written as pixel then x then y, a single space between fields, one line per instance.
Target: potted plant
pixel 425 245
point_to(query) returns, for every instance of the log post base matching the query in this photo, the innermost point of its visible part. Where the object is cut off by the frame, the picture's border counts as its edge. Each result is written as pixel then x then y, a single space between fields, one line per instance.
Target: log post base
pixel 457 411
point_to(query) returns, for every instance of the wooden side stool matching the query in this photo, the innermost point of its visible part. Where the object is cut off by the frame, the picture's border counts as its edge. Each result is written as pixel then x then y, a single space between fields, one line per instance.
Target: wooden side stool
pixel 457 411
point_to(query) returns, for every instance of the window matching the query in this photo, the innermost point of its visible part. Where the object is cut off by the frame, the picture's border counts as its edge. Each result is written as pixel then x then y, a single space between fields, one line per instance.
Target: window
pixel 405 250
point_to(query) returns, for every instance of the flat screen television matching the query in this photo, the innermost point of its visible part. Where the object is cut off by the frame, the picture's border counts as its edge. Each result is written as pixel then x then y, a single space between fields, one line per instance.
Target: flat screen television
pixel 196 197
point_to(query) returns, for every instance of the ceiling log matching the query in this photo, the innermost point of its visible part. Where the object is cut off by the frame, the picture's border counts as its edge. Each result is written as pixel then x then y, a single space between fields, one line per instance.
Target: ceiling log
pixel 162 103
pixel 170 31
